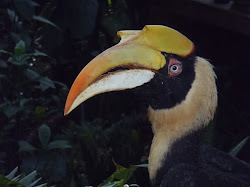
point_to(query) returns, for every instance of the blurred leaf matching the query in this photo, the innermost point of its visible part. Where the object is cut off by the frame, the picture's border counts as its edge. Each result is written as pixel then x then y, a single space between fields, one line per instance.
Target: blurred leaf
pixel 25 8
pixel 110 3
pixel 122 174
pixel 25 146
pixel 12 15
pixel 142 165
pixel 38 53
pixel 6 52
pixel 20 48
pixel 24 101
pixel 44 20
pixel 20 180
pixel 56 98
pixel 113 184
pixel 31 74
pixel 16 60
pixel 2 76
pixel 61 84
pixel 59 144
pixel 42 87
pixel 238 147
pixel 12 173
pixel 35 182
pixel 44 135
pixel 11 110
pixel 3 64
pixel 27 180
pixel 33 3
pixel 39 113
pixel 47 81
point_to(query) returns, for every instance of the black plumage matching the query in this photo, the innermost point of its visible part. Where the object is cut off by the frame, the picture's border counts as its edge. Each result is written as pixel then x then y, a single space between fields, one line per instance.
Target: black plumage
pixel 189 163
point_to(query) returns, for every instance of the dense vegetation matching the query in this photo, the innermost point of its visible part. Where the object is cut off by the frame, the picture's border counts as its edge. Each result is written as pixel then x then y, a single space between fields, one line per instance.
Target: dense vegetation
pixel 44 45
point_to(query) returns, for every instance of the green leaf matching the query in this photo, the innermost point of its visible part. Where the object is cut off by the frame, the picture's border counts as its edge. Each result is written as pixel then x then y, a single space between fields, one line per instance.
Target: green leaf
pixel 44 20
pixel 6 52
pixel 12 15
pixel 38 53
pixel 61 84
pixel 113 184
pixel 20 180
pixel 19 48
pixel 25 146
pixel 35 182
pixel 17 60
pixel 10 111
pixel 44 135
pixel 12 173
pixel 234 151
pixel 109 3
pixel 3 64
pixel 24 8
pixel 59 144
pixel 122 174
pixel 27 180
pixel 2 76
pixel 47 81
pixel 142 165
pixel 31 74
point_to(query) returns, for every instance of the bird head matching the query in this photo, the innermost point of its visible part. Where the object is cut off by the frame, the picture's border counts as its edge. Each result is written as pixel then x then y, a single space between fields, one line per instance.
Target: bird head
pixel 180 86
pixel 138 57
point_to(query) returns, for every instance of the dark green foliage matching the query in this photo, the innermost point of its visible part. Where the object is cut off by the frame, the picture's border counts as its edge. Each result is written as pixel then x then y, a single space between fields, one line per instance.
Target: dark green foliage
pixel 121 176
pixel 50 163
pixel 100 144
pixel 21 180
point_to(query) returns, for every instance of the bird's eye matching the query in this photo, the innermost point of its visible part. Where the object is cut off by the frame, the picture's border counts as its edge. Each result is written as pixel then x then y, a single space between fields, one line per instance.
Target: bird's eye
pixel 174 67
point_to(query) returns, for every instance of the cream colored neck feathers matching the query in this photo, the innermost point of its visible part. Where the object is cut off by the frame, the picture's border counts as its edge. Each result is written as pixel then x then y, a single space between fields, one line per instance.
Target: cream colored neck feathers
pixel 194 112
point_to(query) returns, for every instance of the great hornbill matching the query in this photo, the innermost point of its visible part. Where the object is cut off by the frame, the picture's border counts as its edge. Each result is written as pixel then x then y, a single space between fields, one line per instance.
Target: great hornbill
pixel 182 96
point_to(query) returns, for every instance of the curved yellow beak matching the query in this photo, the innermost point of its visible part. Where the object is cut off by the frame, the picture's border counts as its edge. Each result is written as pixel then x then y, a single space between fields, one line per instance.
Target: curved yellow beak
pixel 138 51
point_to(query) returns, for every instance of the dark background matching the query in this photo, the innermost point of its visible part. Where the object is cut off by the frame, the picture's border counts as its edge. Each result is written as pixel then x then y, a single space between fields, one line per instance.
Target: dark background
pixel 110 128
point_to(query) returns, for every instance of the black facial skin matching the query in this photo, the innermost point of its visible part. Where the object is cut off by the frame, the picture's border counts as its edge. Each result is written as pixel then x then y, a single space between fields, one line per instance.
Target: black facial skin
pixel 165 91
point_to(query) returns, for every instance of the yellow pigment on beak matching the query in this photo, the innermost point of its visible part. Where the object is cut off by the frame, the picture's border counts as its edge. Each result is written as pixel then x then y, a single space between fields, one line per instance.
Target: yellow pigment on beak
pixel 141 49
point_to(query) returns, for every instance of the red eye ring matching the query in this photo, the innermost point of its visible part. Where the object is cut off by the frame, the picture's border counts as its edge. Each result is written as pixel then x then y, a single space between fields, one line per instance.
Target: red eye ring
pixel 174 67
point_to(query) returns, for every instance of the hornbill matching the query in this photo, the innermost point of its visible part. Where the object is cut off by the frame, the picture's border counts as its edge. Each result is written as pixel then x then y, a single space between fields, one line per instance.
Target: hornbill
pixel 181 92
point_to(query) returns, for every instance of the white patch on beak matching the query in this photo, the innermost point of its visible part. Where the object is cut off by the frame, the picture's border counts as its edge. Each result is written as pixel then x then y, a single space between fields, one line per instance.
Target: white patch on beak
pixel 120 80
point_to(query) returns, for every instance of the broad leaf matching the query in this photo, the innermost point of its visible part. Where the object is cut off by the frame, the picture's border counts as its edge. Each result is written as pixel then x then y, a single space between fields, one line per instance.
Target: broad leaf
pixel 3 64
pixel 47 81
pixel 20 48
pixel 24 8
pixel 27 180
pixel 122 174
pixel 44 20
pixel 31 74
pixel 25 146
pixel 38 53
pixel 35 182
pixel 2 76
pixel 12 173
pixel 59 144
pixel 44 135
pixel 11 110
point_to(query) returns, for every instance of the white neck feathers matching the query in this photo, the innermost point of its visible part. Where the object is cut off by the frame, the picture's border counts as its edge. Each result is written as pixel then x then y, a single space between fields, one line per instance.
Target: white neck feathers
pixel 191 114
